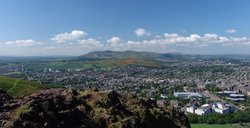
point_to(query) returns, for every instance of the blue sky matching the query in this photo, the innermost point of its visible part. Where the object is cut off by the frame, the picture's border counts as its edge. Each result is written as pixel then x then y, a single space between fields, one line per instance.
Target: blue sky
pixel 75 27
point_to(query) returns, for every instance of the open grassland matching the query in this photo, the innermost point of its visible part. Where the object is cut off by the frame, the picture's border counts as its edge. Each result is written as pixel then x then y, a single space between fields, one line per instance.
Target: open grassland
pixel 17 88
pixel 113 63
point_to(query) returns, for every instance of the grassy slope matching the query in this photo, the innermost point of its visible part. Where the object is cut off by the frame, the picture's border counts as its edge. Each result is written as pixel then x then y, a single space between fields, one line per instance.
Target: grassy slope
pixel 120 54
pixel 16 87
pixel 217 126
pixel 112 63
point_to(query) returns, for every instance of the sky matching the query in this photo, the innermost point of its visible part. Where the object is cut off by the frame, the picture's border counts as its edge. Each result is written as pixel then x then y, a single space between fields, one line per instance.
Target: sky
pixel 76 27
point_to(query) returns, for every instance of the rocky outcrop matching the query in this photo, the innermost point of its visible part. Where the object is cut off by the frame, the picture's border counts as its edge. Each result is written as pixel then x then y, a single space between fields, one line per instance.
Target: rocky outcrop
pixel 87 109
pixel 4 99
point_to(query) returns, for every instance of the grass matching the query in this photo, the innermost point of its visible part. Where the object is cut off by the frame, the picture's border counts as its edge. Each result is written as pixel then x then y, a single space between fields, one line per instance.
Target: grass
pixel 217 126
pixel 17 87
pixel 113 63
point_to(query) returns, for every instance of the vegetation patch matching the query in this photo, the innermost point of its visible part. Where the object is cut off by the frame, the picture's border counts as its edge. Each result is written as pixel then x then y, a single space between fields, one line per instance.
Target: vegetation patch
pixel 18 88
pixel 22 109
pixel 217 126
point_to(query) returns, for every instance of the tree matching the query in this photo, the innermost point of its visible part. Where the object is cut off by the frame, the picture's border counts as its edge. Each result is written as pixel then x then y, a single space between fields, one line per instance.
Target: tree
pixel 212 88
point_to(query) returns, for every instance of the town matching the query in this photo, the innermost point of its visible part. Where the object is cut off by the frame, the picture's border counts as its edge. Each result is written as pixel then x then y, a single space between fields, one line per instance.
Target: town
pixel 197 86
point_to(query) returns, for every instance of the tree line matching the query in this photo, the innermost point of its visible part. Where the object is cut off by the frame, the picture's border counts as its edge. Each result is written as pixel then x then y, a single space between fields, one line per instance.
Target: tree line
pixel 215 118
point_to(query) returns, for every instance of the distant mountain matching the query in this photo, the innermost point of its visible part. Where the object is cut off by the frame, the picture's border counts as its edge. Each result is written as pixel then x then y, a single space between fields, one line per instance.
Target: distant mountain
pixel 68 108
pixel 112 59
pixel 17 87
pixel 150 56
pixel 120 54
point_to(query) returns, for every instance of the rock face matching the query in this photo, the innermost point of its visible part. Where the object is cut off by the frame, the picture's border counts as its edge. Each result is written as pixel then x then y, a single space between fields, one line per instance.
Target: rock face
pixel 4 99
pixel 64 108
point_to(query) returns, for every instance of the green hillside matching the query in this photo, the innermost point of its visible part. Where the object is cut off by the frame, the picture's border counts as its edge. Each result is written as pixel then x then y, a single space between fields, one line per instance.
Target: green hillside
pixel 119 54
pixel 113 63
pixel 113 59
pixel 16 87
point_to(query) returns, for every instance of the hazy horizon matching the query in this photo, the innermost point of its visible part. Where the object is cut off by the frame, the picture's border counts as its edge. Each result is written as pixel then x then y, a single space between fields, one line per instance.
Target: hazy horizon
pixel 195 54
pixel 73 28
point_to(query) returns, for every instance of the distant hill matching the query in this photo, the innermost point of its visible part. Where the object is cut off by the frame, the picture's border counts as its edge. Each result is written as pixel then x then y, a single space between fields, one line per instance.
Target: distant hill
pixel 120 54
pixel 100 55
pixel 97 55
pixel 17 87
pixel 112 59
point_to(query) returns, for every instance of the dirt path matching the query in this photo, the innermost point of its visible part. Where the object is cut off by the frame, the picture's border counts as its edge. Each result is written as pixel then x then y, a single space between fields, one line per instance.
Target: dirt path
pixel 14 85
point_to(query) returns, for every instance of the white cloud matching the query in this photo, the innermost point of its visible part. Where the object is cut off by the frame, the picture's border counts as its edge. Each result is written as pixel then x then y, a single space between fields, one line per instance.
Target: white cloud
pixel 78 44
pixel 115 41
pixel 241 40
pixel 171 35
pixel 193 38
pixel 209 37
pixel 72 36
pixel 147 45
pixel 23 43
pixel 141 32
pixel 231 31
pixel 90 43
pixel 130 42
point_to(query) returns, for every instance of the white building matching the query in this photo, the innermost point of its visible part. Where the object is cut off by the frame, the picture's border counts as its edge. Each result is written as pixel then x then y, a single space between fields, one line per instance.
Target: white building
pixel 187 95
pixel 203 110
pixel 236 97
pixel 191 109
pixel 220 108
pixel 207 108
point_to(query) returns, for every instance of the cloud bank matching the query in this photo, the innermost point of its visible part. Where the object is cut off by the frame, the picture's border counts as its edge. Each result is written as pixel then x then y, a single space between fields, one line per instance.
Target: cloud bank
pixel 77 42
pixel 72 36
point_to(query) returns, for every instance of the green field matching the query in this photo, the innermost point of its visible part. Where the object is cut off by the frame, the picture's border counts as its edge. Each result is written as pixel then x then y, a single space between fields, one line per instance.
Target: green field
pixel 107 64
pixel 17 88
pixel 217 126
pixel 113 63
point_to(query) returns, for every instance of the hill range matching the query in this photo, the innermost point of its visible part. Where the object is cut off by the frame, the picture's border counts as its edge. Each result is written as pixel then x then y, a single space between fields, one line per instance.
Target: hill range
pixel 128 54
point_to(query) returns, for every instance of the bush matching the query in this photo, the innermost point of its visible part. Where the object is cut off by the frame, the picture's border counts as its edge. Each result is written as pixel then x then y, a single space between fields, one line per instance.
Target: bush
pixel 210 121
pixel 192 118
pixel 221 121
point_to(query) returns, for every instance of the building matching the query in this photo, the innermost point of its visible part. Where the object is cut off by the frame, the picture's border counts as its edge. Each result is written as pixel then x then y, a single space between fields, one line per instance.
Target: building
pixel 190 109
pixel 245 89
pixel 220 108
pixel 232 95
pixel 187 95
pixel 210 108
pixel 236 97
